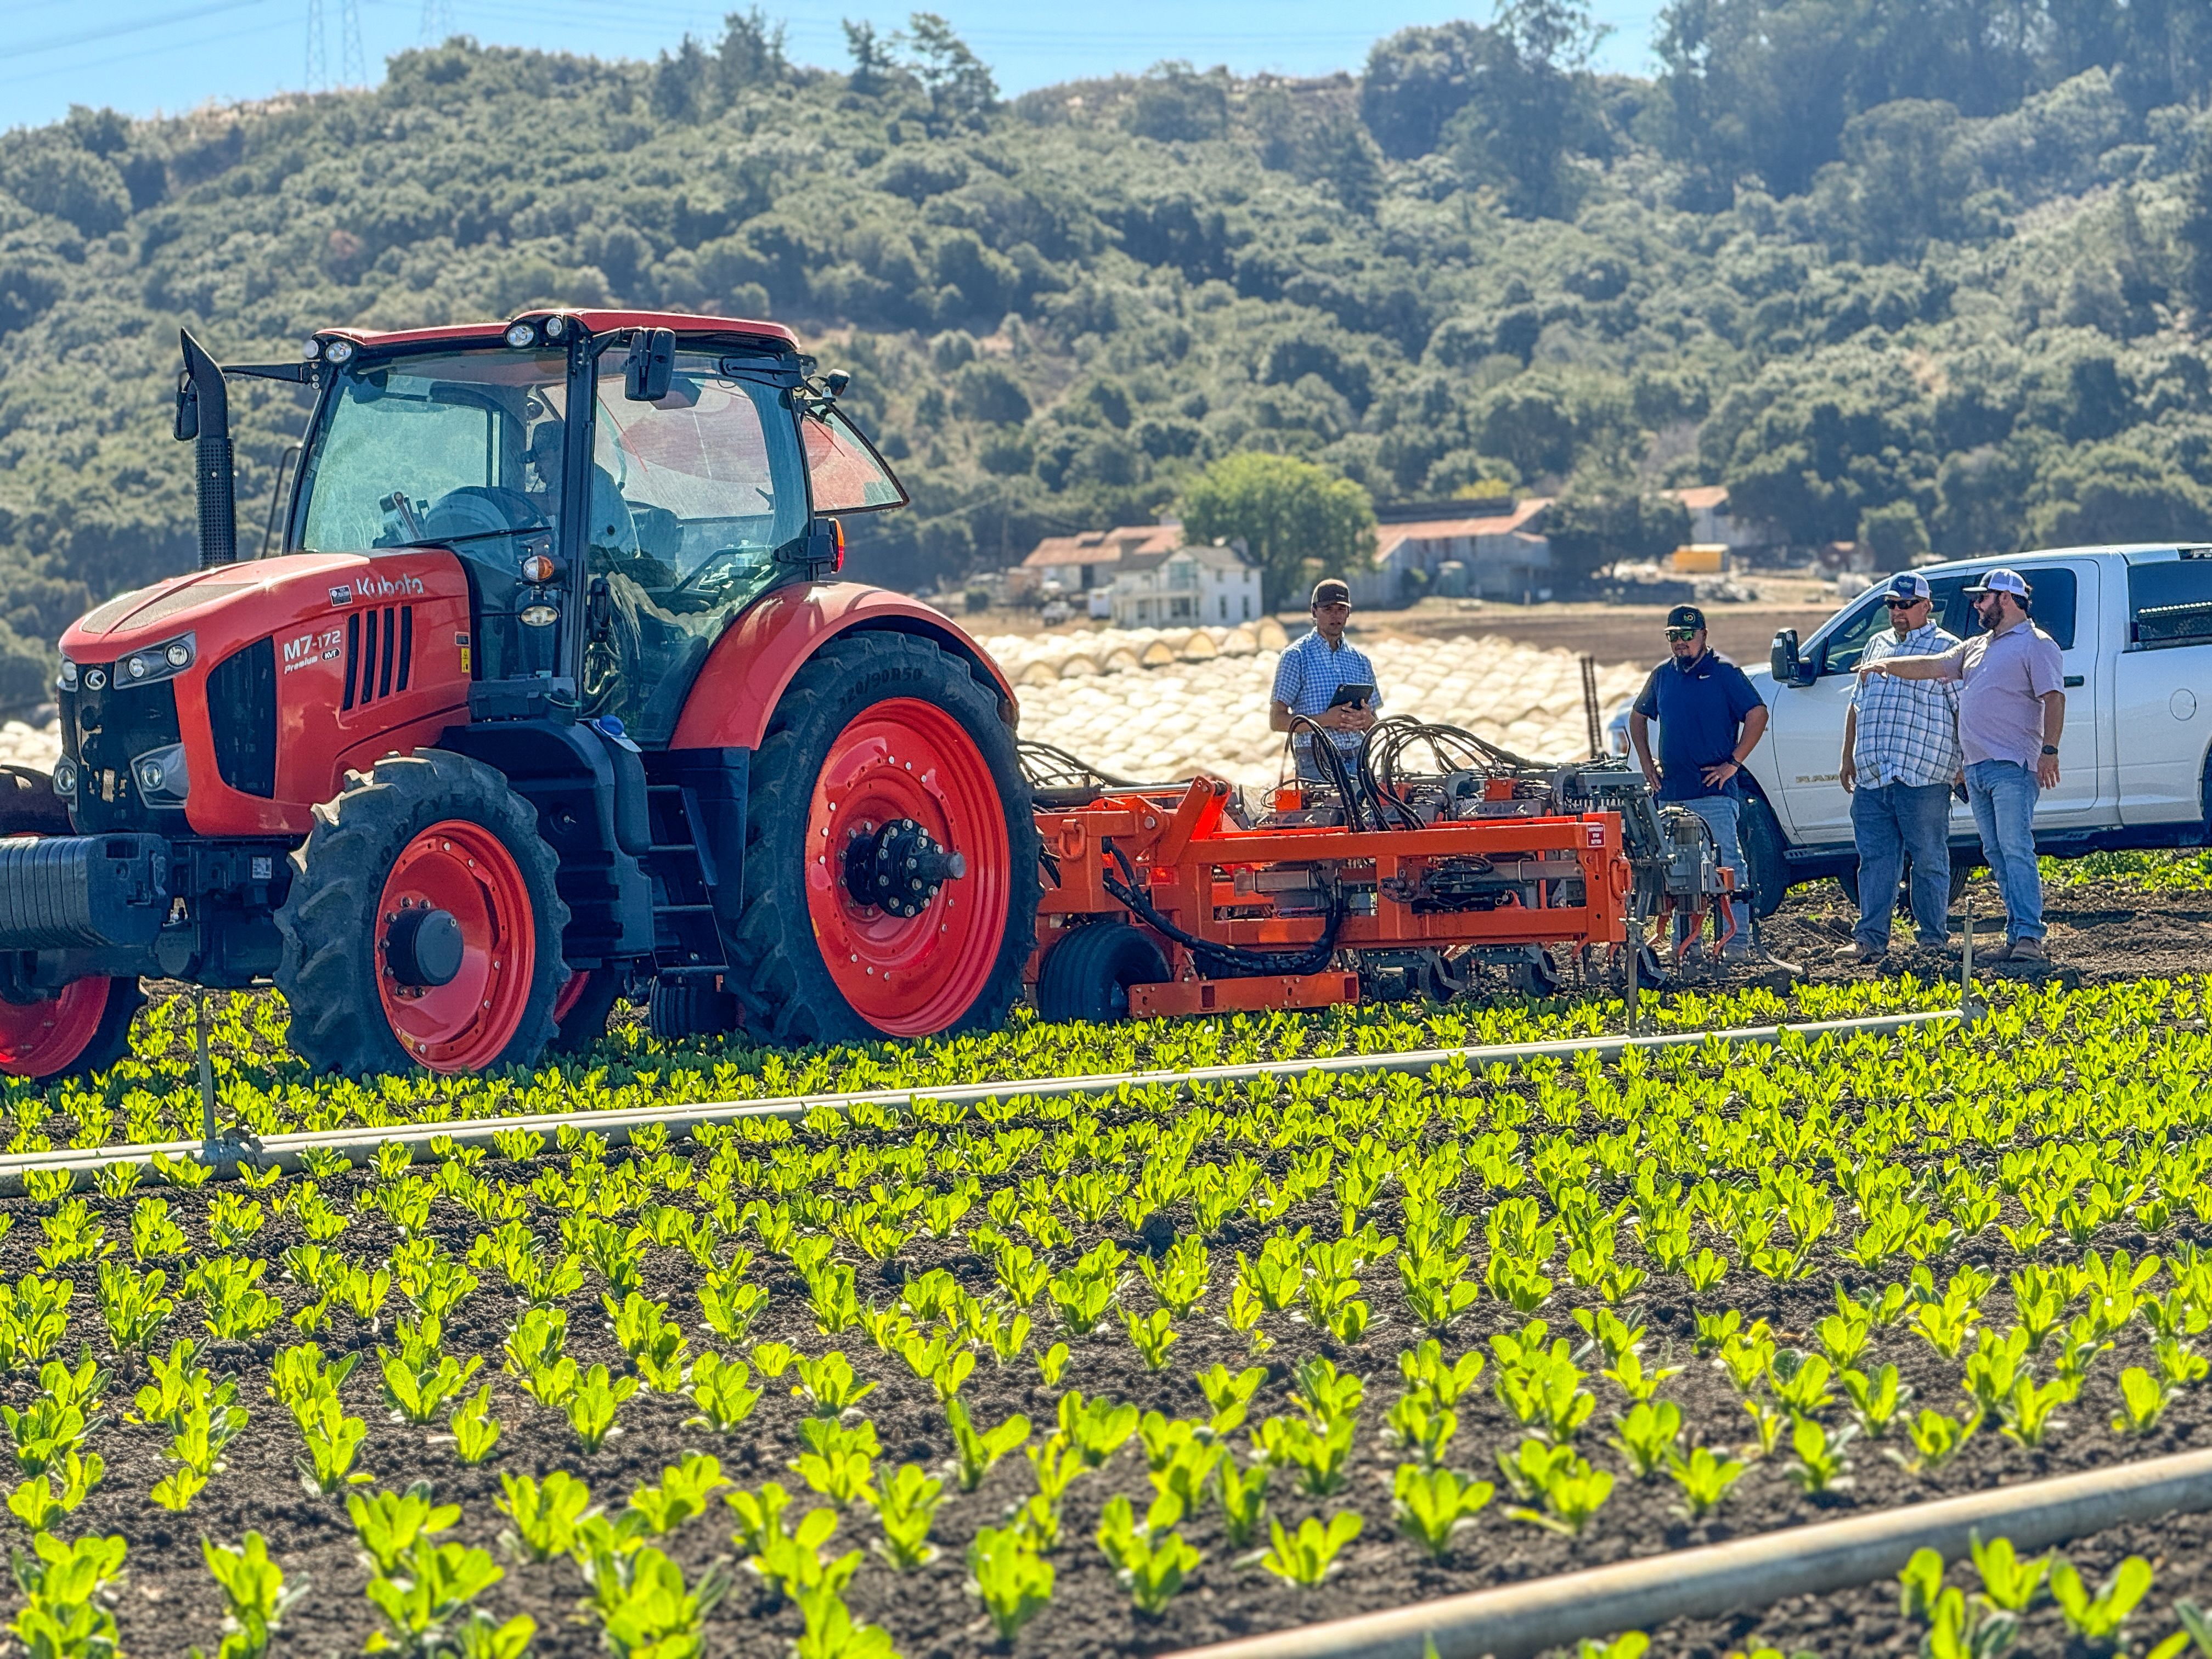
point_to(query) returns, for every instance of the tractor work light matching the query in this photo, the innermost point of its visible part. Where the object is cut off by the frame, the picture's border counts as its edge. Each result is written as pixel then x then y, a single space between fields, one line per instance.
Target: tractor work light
pixel 65 778
pixel 556 327
pixel 160 775
pixel 310 348
pixel 539 616
pixel 67 679
pixel 522 336
pixel 338 351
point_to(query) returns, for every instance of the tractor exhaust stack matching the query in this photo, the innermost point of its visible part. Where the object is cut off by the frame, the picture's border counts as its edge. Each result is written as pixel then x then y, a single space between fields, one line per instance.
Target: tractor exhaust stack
pixel 203 416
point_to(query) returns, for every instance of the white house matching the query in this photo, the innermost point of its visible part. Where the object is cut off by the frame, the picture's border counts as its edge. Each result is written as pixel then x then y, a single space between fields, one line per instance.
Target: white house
pixel 1210 585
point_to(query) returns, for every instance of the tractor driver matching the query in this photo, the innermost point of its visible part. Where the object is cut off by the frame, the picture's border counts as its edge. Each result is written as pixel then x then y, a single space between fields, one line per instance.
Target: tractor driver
pixel 611 532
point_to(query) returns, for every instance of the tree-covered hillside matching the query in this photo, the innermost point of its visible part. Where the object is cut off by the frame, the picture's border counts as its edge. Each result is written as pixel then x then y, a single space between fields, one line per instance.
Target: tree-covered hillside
pixel 1935 272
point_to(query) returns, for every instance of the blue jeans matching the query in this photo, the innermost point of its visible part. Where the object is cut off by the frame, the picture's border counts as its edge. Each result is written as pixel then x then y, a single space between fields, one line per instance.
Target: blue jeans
pixel 1719 812
pixel 1890 824
pixel 2002 794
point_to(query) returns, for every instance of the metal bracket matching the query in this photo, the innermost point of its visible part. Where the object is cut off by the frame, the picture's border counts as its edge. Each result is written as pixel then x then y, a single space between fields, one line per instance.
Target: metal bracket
pixel 1971 1007
pixel 234 1145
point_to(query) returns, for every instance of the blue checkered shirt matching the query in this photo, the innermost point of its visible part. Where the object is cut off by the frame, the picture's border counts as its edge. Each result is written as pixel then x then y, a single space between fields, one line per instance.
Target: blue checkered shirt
pixel 1908 730
pixel 1307 677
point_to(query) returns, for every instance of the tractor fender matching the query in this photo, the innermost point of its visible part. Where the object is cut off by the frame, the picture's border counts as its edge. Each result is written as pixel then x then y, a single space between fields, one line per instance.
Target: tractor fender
pixel 746 672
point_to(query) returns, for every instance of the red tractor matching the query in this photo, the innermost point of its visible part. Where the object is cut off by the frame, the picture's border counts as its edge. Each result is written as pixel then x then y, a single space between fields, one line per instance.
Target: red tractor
pixel 547 691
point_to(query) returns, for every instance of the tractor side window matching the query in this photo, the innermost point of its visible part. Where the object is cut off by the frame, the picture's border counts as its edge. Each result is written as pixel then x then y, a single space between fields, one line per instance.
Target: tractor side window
pixel 843 467
pixel 694 497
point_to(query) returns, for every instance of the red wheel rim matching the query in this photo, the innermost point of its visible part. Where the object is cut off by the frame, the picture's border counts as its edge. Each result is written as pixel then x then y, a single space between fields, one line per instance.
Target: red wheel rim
pixel 39 1039
pixel 905 759
pixel 464 870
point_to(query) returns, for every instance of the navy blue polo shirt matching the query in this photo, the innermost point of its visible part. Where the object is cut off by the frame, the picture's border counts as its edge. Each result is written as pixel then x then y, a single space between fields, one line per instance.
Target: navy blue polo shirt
pixel 1700 709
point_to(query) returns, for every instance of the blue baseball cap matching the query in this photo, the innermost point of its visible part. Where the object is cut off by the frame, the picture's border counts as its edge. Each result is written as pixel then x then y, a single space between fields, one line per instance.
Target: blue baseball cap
pixel 1911 586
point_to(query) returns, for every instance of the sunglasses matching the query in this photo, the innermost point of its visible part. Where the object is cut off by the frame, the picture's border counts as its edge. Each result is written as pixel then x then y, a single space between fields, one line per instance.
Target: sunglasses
pixel 1679 635
pixel 1903 605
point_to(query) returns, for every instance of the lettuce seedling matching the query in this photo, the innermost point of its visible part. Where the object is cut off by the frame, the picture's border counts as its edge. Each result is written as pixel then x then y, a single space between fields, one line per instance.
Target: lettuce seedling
pixel 1150 1565
pixel 977 1451
pixel 2100 1618
pixel 1015 1585
pixel 1307 1557
pixel 906 1506
pixel 1432 1504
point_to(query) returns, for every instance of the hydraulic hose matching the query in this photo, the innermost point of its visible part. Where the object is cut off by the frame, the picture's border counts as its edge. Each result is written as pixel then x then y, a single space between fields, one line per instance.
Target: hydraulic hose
pixel 1312 959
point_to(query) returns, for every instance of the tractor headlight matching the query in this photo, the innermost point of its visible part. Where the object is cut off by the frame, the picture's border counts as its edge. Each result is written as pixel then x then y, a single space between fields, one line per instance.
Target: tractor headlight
pixel 139 666
pixel 178 654
pixel 158 662
pixel 162 777
pixel 539 616
pixel 67 679
pixel 521 335
pixel 65 778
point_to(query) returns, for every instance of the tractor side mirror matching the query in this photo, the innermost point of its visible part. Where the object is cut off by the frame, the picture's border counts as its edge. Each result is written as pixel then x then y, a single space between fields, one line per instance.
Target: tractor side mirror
pixel 652 365
pixel 834 383
pixel 1784 660
pixel 188 407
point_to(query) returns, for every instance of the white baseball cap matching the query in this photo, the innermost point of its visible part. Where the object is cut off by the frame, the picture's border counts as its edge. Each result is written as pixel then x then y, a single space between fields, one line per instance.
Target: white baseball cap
pixel 2000 581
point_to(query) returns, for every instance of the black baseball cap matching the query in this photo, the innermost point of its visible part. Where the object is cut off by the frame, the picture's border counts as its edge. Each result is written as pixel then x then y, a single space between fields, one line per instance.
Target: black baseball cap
pixel 1686 616
pixel 1330 591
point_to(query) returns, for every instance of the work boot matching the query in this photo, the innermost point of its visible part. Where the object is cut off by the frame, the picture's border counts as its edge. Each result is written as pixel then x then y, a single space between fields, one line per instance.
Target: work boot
pixel 2027 949
pixel 1858 951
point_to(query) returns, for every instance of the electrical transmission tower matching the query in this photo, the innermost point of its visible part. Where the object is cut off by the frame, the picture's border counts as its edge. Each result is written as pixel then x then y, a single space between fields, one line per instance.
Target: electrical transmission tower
pixel 437 21
pixel 353 64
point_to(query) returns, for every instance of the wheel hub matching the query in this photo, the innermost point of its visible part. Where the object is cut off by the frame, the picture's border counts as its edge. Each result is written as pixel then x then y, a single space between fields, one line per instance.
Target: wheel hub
pixel 422 946
pixel 898 868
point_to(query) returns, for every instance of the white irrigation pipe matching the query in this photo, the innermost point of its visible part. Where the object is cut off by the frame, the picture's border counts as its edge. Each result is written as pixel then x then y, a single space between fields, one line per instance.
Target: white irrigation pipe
pixel 1523 1619
pixel 283 1151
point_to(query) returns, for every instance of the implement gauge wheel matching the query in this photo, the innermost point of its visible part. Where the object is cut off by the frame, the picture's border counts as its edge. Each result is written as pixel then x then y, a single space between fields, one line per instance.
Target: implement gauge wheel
pixel 890 868
pixel 422 928
pixel 1087 975
pixel 83 1028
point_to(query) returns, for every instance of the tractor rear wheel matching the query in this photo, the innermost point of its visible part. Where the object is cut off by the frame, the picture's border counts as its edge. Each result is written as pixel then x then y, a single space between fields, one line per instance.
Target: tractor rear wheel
pixel 84 1028
pixel 890 870
pixel 1087 975
pixel 423 927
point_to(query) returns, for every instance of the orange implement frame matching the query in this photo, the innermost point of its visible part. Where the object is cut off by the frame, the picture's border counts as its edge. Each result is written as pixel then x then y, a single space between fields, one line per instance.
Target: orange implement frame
pixel 1227 887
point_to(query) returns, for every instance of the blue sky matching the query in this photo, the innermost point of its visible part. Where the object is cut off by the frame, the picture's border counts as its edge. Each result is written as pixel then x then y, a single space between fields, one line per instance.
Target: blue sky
pixel 140 56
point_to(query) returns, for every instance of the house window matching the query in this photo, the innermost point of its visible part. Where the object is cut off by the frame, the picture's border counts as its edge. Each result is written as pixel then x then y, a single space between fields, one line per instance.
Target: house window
pixel 1248 607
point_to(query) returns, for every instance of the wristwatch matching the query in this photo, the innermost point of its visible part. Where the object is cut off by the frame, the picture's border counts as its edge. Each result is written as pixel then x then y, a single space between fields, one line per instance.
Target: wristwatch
pixel 2049 749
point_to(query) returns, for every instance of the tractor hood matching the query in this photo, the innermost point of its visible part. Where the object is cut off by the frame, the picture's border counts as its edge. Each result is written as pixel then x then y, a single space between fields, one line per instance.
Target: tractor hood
pixel 270 679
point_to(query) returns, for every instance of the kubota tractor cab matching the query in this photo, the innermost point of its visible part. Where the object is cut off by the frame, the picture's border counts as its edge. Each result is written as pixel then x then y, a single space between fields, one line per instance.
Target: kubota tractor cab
pixel 546 692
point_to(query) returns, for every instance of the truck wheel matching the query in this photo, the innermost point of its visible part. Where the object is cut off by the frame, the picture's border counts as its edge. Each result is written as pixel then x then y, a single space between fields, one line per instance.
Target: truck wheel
pixel 1760 836
pixel 1087 975
pixel 83 1028
pixel 890 869
pixel 580 1013
pixel 423 924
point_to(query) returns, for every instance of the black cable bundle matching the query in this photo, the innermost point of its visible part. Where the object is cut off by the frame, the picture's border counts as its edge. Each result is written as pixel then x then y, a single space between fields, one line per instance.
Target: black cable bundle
pixel 1234 961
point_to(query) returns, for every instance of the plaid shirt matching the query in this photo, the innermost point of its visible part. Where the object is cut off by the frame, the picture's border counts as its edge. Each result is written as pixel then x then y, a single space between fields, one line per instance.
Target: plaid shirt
pixel 1306 678
pixel 1908 730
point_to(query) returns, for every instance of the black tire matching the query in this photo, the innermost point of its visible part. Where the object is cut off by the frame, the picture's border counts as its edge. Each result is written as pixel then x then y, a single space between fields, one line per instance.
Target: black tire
pixel 28 805
pixel 1087 975
pixel 690 1007
pixel 585 1022
pixel 789 993
pixel 1760 835
pixel 330 964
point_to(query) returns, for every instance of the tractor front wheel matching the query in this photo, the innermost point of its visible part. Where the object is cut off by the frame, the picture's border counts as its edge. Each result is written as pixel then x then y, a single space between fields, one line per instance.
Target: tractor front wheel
pixel 890 870
pixel 423 927
pixel 82 1029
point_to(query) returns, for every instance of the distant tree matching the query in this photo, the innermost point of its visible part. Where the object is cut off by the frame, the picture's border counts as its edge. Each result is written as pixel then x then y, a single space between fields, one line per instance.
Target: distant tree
pixel 2195 236
pixel 1537 107
pixel 683 84
pixel 1417 80
pixel 1606 519
pixel 1904 179
pixel 1174 103
pixel 872 61
pixel 958 82
pixel 751 54
pixel 1287 511
pixel 1894 534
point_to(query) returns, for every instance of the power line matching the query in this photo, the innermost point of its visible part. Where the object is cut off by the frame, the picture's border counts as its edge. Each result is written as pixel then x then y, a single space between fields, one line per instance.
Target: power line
pixel 85 37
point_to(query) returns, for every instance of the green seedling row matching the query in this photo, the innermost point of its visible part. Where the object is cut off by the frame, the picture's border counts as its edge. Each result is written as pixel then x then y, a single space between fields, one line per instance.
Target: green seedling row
pixel 1344 1318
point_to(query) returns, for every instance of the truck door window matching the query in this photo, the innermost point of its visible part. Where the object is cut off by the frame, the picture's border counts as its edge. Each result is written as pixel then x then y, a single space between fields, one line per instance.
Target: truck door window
pixel 2170 603
pixel 2051 595
pixel 1841 651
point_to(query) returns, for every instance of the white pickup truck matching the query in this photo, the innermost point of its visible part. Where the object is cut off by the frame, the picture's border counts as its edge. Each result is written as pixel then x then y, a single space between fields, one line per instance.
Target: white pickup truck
pixel 2136 761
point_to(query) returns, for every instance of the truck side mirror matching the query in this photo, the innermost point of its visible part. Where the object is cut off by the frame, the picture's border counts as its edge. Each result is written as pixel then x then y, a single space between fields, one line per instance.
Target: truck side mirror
pixel 1783 658
pixel 651 368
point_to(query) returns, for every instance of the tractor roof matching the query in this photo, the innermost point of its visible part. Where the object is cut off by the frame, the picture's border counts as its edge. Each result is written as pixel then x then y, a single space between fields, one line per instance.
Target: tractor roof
pixel 599 322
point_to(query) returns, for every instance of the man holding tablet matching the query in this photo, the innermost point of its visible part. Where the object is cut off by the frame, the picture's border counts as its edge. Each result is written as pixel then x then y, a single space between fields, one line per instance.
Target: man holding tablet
pixel 1329 681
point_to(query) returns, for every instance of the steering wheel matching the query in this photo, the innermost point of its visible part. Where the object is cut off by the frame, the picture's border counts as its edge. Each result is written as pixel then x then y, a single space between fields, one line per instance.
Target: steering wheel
pixel 721 555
